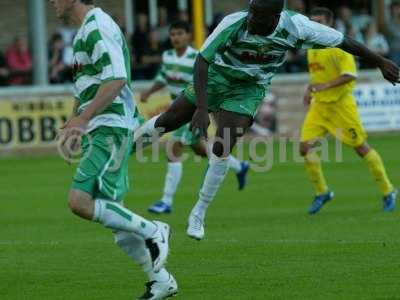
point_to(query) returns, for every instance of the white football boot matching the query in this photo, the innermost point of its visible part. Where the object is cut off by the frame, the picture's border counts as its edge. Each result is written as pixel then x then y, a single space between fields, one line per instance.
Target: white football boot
pixel 158 245
pixel 195 228
pixel 160 290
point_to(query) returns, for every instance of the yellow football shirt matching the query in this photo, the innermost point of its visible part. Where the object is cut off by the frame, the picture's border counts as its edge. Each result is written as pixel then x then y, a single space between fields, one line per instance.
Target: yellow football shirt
pixel 328 64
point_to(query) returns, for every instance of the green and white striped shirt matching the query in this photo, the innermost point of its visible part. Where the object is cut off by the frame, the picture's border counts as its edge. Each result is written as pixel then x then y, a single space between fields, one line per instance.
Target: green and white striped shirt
pixel 177 71
pixel 240 56
pixel 101 54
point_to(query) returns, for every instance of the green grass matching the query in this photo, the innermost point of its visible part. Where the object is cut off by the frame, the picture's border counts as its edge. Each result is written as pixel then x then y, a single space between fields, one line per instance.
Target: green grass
pixel 260 243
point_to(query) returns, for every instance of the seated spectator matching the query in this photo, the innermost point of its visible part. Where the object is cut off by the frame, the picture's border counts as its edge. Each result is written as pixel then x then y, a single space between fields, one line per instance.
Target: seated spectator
pixel 297 5
pixel 374 40
pixel 67 33
pixel 353 33
pixel 151 58
pixel 163 26
pixel 392 30
pixel 344 17
pixel 347 19
pixel 184 16
pixel 59 71
pixel 140 37
pixel 19 62
pixel 3 71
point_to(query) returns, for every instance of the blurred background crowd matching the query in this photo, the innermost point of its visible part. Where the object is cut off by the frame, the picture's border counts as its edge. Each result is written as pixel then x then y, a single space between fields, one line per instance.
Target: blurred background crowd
pixel 381 33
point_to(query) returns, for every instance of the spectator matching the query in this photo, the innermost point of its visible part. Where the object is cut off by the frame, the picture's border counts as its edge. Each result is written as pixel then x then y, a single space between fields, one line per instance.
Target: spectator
pixel 163 26
pixel 140 37
pixel 151 58
pixel 392 29
pixel 19 62
pixel 297 5
pixel 356 23
pixel 362 19
pixel 184 16
pixel 68 33
pixel 59 71
pixel 3 71
pixel 374 40
pixel 353 33
pixel 344 18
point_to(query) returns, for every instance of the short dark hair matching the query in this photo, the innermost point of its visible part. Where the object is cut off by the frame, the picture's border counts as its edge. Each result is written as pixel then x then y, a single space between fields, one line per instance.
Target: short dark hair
pixel 269 3
pixel 181 25
pixel 394 3
pixel 88 2
pixel 323 11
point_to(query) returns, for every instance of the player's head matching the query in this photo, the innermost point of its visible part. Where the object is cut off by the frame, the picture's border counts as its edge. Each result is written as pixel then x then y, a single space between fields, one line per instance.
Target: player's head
pixel 264 16
pixel 322 15
pixel 180 34
pixel 64 7
pixel 395 8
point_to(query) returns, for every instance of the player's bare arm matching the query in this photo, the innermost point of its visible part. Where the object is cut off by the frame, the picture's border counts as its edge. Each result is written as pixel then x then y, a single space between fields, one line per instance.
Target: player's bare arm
pixel 389 69
pixel 75 109
pixel 157 86
pixel 341 80
pixel 201 119
pixel 319 87
pixel 105 97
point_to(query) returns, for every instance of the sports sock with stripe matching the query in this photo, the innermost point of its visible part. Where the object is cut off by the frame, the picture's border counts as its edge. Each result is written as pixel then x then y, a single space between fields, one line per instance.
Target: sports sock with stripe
pixel 114 216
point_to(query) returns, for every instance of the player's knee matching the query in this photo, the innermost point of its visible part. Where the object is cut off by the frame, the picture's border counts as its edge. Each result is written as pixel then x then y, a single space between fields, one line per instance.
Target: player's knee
pixel 304 149
pixel 363 150
pixel 202 152
pixel 221 149
pixel 77 203
pixel 74 203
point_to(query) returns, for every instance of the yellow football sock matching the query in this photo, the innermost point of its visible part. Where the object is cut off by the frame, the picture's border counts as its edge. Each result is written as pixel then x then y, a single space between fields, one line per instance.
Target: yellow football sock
pixel 314 170
pixel 378 171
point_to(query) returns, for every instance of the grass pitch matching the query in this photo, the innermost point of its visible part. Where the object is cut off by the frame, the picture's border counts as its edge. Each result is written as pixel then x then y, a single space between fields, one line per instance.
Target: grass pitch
pixel 260 243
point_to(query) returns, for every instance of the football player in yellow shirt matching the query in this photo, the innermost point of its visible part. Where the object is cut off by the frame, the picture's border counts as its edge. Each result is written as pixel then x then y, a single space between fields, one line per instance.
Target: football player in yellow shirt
pixel 333 110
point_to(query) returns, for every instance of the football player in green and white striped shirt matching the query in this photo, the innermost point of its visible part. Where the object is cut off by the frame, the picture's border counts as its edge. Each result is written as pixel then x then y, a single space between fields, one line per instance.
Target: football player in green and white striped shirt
pixel 232 74
pixel 176 73
pixel 103 122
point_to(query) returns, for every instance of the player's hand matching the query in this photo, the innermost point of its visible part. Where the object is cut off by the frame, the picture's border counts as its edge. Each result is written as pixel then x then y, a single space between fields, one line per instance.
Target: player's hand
pixel 307 97
pixel 390 71
pixel 318 87
pixel 200 122
pixel 72 132
pixel 144 97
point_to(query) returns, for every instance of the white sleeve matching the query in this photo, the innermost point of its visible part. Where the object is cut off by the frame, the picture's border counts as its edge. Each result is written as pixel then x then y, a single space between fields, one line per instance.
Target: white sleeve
pixel 315 35
pixel 108 54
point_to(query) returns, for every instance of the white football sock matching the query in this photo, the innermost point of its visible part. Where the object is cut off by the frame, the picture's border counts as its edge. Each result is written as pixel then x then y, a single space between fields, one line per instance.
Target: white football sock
pixel 172 180
pixel 114 216
pixel 216 172
pixel 134 246
pixel 234 164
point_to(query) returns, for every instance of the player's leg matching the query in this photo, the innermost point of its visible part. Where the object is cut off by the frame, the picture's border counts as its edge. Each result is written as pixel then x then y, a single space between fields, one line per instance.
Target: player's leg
pixel 377 169
pixel 177 115
pixel 172 179
pixel 161 284
pixel 100 184
pixel 231 126
pixel 313 128
pixel 352 133
pixel 241 168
